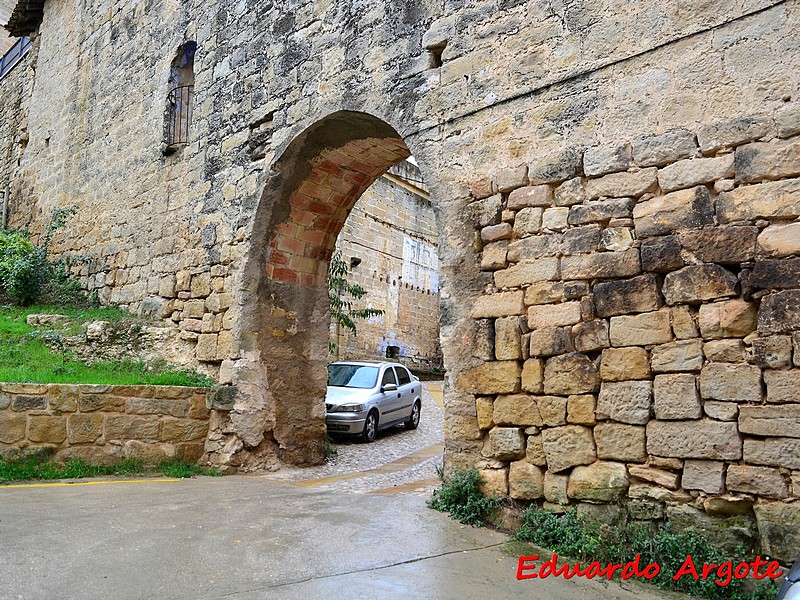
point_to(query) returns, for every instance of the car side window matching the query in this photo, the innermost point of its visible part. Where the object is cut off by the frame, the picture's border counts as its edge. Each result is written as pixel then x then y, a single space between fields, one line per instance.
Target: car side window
pixel 388 377
pixel 403 375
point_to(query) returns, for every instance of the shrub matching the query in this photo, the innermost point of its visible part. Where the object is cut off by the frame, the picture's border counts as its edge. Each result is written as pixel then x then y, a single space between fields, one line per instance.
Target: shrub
pixel 460 495
pixel 23 267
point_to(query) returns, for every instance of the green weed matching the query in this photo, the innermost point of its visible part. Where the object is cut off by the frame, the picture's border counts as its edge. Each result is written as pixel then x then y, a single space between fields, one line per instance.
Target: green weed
pixel 460 495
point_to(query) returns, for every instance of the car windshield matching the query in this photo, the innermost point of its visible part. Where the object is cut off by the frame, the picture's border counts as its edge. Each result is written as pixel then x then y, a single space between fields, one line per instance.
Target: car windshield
pixel 352 376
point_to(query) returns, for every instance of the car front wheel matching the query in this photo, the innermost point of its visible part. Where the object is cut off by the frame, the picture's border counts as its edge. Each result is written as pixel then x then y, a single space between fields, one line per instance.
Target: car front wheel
pixel 413 420
pixel 370 427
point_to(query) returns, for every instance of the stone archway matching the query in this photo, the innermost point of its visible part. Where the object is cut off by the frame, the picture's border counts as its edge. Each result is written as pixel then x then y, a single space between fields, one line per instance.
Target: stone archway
pixel 279 415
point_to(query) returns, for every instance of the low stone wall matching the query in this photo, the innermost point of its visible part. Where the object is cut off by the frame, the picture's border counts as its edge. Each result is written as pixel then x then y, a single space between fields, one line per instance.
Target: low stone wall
pixel 103 423
pixel 641 330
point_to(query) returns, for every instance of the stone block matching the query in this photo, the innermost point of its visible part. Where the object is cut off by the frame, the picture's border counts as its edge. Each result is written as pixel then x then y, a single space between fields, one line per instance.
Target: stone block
pixel 661 254
pixel 782 386
pixel 568 446
pixel 626 402
pixel 556 166
pixel 685 355
pixel 461 427
pixel 776 274
pixel 12 427
pixel 591 336
pixel 721 411
pixel 484 407
pixel 601 160
pixel 707 476
pixel 725 351
pixel 485 212
pixel 704 439
pixel 498 305
pixel 599 482
pixel 623 364
pixel 617 185
pixel 659 150
pixel 731 318
pixel 625 443
pixel 641 330
pixel 508 338
pixel 84 429
pixel 206 349
pixel 555 219
pixel 636 295
pixel 778 312
pixel 779 241
pixel 555 488
pixel 665 214
pixel 528 221
pixel 495 256
pixel 534 452
pixel 570 192
pixel 176 407
pixel 692 172
pixel 525 481
pixel 774 451
pixel 616 239
pixel 602 265
pixel 724 245
pixel 732 133
pixel 531 195
pixel 533 376
pixel 765 200
pixel 773 352
pixel 200 287
pixel 549 341
pixel 495 482
pixel 787 120
pixel 766 482
pixel 580 410
pixel 571 373
pixel 683 322
pixel 47 429
pixel 554 315
pixel 104 402
pixel 494 233
pixel 519 410
pixel 730 532
pixel 660 477
pixel 506 443
pixel 764 421
pixel 602 211
pixel 533 247
pixel 779 529
pixel 25 403
pixel 726 506
pixel 731 382
pixel 499 377
pixel 148 454
pixel 776 159
pixel 126 427
pixel 675 397
pixel 183 430
pixel 581 240
pixel 526 273
pixel 696 283
pixel 553 410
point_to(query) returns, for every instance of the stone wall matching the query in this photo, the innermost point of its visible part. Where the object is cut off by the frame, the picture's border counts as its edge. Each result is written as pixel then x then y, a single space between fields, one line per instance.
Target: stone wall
pixel 103 424
pixel 641 343
pixel 15 87
pixel 392 232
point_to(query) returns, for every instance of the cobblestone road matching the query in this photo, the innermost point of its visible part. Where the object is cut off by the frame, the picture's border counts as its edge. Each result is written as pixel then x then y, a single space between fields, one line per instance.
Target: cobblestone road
pixel 399 461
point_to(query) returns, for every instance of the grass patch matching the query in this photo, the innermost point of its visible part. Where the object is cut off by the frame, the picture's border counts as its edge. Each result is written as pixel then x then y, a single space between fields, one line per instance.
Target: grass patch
pixel 37 468
pixel 460 495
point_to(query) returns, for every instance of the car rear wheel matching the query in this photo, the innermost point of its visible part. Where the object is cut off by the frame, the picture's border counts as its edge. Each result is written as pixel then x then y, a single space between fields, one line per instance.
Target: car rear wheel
pixel 370 427
pixel 413 420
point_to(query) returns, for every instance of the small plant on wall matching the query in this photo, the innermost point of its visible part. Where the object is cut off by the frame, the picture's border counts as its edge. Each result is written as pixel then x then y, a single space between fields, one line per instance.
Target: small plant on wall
pixel 343 296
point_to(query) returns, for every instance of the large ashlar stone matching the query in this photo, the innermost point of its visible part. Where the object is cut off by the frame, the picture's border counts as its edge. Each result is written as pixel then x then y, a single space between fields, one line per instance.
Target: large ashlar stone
pixel 767 482
pixel 602 265
pixel 570 192
pixel 534 451
pixel 591 336
pixel 618 185
pixel 774 452
pixel 554 315
pixel 553 410
pixel 499 377
pixel 731 382
pixel 778 312
pixel 668 147
pixel 677 210
pixel 637 295
pixel 532 195
pixel 765 200
pixel 535 246
pixel 508 336
pixel 526 273
pixel 692 172
pixel 693 284
pixel 484 407
pixel 505 443
pixel 676 398
pixel 729 532
pixel 568 446
pixel 641 330
pixel 620 442
pixel 732 133
pixel 779 529
pixel 555 488
pixel 600 212
pixel 571 373
pixel 549 341
pixel 525 481
pixel 773 352
pixel 725 351
pixel 776 274
pixel 704 438
pixel 782 386
pixel 626 402
pixel 516 409
pixel 731 318
pixel 495 256
pixel 495 482
pixel 623 364
pixel 781 420
pixel 599 482
pixel 12 427
pixel 767 160
pixel 84 429
pixel 661 254
pixel 660 477
pixel 724 245
pixel 556 166
pixel 705 475
pixel 685 355
pixel 580 410
pixel 779 241
pixel 601 160
pixel 533 376
pixel 544 292
pixel 485 212
pixel 528 221
pixel 498 305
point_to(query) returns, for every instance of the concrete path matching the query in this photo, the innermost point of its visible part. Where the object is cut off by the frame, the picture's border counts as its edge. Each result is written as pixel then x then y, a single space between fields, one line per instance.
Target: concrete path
pixel 248 538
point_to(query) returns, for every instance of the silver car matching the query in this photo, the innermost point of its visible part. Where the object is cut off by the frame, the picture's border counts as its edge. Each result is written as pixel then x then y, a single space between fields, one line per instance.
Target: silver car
pixel 365 396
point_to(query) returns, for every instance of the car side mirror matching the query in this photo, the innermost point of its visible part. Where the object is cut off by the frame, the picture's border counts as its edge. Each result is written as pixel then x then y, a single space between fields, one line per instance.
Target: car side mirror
pixel 390 387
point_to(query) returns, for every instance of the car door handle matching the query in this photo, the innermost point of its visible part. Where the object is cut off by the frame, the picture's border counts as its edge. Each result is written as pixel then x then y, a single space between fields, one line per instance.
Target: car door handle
pixel 398 395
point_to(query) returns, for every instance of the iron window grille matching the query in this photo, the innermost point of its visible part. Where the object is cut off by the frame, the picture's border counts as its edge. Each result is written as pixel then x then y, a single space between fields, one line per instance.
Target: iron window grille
pixel 179 107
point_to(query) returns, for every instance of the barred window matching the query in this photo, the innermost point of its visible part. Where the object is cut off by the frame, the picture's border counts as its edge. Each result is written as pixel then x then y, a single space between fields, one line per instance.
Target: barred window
pixel 180 99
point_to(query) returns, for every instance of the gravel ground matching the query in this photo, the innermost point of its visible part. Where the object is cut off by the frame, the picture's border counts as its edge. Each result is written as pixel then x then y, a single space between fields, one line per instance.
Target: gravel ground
pixel 397 457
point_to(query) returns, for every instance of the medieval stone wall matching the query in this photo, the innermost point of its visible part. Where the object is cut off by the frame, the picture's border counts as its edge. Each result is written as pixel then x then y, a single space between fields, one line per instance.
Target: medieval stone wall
pixel 16 88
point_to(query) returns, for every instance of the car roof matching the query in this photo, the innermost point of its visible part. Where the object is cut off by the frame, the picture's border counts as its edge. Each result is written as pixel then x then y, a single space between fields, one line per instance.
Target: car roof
pixel 367 363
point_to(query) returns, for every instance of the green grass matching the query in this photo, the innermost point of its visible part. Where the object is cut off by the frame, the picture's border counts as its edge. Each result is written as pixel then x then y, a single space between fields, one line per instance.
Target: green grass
pixel 25 358
pixel 36 468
